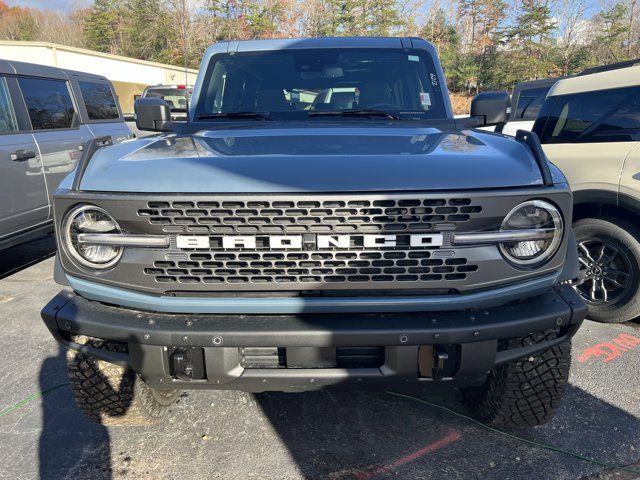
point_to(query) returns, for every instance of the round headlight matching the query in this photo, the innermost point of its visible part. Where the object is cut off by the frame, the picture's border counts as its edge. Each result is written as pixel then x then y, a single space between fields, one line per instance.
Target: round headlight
pixel 88 219
pixel 545 223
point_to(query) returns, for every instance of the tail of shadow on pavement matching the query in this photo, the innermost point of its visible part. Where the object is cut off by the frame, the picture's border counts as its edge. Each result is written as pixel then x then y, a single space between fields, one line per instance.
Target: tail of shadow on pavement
pixel 360 435
pixel 70 445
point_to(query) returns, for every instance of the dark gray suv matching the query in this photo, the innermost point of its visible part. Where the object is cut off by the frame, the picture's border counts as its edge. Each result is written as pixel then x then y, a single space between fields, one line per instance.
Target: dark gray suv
pixel 321 220
pixel 47 115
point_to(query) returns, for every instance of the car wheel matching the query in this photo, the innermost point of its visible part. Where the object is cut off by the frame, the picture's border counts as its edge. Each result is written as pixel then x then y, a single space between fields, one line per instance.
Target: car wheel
pixel 609 277
pixel 113 395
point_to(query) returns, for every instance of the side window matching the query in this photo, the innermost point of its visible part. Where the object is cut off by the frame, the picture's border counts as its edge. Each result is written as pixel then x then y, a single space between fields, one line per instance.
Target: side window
pixel 99 101
pixel 529 102
pixel 8 121
pixel 591 117
pixel 49 103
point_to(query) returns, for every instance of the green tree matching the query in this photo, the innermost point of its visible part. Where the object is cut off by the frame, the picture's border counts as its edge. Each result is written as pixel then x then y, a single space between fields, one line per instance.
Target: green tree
pixel 101 25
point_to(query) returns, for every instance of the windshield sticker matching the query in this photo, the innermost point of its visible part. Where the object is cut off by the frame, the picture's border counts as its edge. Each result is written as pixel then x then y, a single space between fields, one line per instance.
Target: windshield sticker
pixel 425 100
pixel 414 58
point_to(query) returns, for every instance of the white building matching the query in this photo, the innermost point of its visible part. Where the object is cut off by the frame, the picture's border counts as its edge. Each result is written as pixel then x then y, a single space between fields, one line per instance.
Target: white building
pixel 128 75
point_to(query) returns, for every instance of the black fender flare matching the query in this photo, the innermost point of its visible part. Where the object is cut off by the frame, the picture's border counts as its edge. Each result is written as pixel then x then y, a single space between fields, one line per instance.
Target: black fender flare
pixel 626 202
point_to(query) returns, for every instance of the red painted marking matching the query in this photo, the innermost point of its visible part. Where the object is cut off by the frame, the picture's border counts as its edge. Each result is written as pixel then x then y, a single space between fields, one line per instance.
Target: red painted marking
pixel 432 447
pixel 612 350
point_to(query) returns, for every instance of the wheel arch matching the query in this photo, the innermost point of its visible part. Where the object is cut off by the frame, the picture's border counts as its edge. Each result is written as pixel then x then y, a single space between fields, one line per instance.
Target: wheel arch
pixel 602 203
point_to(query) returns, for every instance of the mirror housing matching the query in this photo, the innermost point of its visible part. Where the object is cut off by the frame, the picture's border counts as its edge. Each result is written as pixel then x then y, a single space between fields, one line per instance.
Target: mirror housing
pixel 493 108
pixel 152 114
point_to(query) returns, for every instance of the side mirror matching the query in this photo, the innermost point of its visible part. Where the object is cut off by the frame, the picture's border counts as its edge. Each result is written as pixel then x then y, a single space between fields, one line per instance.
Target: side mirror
pixel 152 114
pixel 493 108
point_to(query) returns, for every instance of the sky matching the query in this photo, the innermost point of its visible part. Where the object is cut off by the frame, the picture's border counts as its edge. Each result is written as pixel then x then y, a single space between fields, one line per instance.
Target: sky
pixel 63 5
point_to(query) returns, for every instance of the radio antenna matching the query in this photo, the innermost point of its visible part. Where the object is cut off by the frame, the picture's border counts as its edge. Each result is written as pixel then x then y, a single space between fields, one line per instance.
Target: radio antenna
pixel 185 42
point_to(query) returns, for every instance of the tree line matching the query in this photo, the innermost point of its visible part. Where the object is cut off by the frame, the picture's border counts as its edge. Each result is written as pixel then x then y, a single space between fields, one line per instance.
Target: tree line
pixel 483 44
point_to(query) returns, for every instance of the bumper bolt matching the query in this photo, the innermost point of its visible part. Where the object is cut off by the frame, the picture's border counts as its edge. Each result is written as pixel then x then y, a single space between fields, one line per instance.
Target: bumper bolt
pixel 146 336
pixel 436 335
pixel 188 323
pixel 67 325
pixel 185 338
pixel 560 321
pixel 151 321
pixel 476 334
pixel 403 339
pixel 217 340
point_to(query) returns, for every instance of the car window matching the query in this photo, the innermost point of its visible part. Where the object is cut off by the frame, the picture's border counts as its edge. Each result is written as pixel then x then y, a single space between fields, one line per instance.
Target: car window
pixel 529 102
pixel 49 103
pixel 600 116
pixel 8 121
pixel 99 101
pixel 177 98
pixel 293 83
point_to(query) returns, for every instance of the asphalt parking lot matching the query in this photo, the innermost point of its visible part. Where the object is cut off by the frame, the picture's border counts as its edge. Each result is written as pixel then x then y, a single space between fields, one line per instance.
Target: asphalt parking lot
pixel 327 434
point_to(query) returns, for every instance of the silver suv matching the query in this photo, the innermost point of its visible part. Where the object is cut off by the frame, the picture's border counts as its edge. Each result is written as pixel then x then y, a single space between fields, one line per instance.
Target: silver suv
pixel 47 115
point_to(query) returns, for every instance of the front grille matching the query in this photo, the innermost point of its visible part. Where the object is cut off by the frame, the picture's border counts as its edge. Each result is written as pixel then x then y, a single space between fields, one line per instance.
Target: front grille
pixel 310 267
pixel 313 216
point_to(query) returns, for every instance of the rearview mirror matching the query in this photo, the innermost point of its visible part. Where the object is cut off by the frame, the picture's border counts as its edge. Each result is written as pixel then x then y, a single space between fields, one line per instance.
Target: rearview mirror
pixel 152 114
pixel 493 108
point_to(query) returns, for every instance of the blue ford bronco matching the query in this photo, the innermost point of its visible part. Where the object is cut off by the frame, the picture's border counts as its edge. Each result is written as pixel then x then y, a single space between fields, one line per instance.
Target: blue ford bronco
pixel 320 220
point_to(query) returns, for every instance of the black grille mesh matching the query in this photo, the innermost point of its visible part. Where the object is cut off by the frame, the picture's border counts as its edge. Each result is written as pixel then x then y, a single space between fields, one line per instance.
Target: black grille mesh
pixel 312 216
pixel 310 267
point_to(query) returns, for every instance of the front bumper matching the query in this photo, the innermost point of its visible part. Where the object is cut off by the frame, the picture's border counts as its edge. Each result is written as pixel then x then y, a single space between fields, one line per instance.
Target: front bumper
pixel 454 347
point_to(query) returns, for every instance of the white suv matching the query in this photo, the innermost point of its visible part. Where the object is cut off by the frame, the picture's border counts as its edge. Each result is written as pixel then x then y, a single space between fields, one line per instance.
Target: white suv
pixel 589 126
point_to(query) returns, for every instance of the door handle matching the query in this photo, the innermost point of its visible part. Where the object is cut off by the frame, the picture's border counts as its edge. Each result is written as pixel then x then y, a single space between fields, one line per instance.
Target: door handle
pixel 22 155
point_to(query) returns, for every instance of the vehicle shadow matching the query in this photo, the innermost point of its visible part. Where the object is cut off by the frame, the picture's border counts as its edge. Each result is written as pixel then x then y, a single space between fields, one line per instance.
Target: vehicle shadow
pixel 360 435
pixel 70 447
pixel 22 256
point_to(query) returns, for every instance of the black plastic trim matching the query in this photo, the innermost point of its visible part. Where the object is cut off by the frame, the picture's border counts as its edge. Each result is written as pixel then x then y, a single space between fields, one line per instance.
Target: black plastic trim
pixel 89 149
pixel 532 140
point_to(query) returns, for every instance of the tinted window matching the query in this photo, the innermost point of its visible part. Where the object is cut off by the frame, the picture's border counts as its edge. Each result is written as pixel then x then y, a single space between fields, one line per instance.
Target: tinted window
pixel 296 83
pixel 529 102
pixel 7 116
pixel 99 101
pixel 590 117
pixel 49 103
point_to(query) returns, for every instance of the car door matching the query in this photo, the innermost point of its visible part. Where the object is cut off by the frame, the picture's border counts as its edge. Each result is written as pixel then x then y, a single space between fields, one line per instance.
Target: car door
pixel 588 135
pixel 57 127
pixel 630 178
pixel 23 194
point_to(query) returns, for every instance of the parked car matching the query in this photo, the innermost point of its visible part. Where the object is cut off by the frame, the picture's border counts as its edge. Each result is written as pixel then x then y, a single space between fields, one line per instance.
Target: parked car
pixel 47 115
pixel 526 100
pixel 176 96
pixel 589 127
pixel 279 243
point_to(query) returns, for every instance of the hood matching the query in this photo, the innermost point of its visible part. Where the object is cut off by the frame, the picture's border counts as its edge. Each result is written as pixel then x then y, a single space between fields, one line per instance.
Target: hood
pixel 313 157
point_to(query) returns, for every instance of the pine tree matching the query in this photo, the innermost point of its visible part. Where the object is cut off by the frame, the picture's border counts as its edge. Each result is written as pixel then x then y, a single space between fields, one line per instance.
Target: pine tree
pixel 101 25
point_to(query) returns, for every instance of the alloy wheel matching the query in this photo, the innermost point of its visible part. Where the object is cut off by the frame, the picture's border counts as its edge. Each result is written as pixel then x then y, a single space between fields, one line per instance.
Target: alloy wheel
pixel 606 272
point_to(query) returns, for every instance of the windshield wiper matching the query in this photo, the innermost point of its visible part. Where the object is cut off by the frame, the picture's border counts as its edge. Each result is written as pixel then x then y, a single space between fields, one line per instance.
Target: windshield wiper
pixel 354 113
pixel 248 114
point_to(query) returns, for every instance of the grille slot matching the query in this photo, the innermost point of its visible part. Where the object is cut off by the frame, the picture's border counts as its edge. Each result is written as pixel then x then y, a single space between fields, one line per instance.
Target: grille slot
pixel 312 216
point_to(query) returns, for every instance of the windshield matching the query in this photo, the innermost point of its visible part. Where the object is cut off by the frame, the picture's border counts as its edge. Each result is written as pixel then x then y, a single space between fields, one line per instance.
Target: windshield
pixel 175 97
pixel 299 83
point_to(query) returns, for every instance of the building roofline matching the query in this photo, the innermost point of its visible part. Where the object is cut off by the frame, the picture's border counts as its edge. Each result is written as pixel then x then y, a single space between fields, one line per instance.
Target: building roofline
pixel 85 51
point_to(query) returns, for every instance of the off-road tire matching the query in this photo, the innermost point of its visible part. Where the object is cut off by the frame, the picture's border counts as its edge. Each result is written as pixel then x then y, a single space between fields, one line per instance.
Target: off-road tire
pixel 625 236
pixel 524 393
pixel 113 395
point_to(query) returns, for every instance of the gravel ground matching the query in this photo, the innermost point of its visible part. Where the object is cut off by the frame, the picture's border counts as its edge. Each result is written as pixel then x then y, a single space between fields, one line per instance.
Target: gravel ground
pixel 325 434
